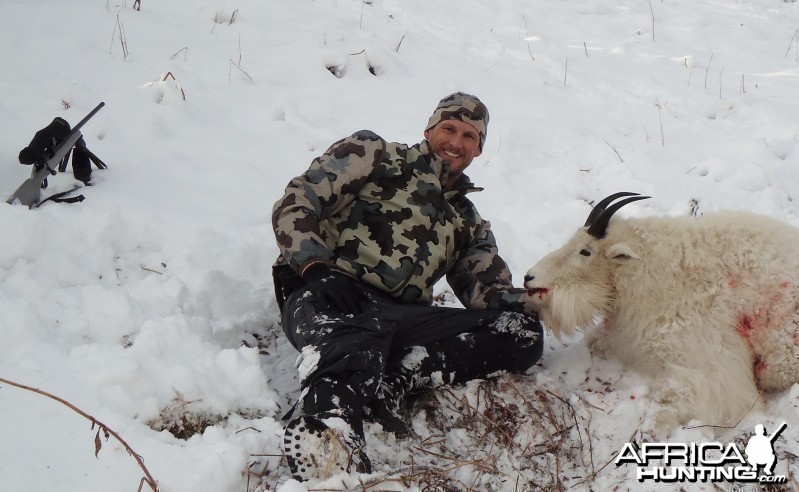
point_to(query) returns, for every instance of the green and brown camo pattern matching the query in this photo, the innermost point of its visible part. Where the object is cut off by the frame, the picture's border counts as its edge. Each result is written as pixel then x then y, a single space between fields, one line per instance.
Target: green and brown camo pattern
pixel 377 211
pixel 462 107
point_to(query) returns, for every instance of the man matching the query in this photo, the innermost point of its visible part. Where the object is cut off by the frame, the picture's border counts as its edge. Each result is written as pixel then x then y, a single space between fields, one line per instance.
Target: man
pixel 365 234
pixel 760 449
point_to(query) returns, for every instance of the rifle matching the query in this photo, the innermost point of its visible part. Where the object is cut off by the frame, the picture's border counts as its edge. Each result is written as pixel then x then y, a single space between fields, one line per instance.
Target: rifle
pixel 777 432
pixel 29 192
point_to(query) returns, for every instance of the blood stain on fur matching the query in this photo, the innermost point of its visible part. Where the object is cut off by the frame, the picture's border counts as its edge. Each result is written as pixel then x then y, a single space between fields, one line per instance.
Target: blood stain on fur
pixel 745 325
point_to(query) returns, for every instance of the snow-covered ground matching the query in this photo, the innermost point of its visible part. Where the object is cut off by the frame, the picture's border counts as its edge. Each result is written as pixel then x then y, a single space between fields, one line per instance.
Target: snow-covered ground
pixel 150 305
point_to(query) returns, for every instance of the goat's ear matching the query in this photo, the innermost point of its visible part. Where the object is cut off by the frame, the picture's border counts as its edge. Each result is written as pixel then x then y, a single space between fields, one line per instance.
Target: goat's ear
pixel 621 253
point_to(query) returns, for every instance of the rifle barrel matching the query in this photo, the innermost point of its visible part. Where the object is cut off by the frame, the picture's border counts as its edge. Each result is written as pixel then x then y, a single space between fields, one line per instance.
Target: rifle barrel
pixel 88 116
pixel 778 431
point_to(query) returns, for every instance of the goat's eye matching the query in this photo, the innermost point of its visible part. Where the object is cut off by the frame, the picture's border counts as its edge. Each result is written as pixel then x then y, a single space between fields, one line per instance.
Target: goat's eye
pixel 585 252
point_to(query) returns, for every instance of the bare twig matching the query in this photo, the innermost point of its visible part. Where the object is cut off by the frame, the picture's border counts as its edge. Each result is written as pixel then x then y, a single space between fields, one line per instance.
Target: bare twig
pixel 242 70
pixel 137 5
pixel 101 427
pixel 790 43
pixel 177 84
pixel 652 12
pixel 590 447
pixel 707 69
pixel 396 50
pixel 185 51
pixel 457 463
pixel 122 41
pixel 219 20
pixel 614 150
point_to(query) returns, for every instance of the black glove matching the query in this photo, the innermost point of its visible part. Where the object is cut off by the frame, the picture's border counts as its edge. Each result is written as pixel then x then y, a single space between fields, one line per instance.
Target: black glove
pixel 45 140
pixel 334 289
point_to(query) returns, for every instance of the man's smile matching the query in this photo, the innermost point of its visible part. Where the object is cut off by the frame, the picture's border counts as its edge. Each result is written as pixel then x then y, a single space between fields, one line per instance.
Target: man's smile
pixel 451 154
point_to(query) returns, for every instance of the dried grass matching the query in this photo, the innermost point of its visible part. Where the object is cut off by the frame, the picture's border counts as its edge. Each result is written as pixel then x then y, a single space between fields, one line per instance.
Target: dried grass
pixel 184 418
pixel 498 434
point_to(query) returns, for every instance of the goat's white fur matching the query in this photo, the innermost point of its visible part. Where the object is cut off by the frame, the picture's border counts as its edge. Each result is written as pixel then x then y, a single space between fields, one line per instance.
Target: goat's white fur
pixel 707 306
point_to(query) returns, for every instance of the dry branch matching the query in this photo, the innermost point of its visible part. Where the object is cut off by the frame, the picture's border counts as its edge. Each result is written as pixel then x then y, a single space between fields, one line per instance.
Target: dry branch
pixel 614 150
pixel 122 40
pixel 101 427
pixel 396 50
pixel 177 84
pixel 707 69
pixel 185 51
pixel 790 43
pixel 240 69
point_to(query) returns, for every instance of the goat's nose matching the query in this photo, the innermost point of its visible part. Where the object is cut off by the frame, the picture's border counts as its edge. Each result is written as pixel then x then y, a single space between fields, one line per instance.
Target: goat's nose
pixel 528 277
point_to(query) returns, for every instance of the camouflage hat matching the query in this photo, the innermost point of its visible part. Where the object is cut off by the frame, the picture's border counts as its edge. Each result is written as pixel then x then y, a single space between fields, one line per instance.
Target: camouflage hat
pixel 463 107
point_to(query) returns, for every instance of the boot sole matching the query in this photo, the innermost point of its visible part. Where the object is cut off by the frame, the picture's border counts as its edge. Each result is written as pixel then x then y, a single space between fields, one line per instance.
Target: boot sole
pixel 315 451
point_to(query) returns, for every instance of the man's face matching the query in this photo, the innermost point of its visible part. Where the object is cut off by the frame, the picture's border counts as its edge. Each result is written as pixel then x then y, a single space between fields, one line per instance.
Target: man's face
pixel 456 142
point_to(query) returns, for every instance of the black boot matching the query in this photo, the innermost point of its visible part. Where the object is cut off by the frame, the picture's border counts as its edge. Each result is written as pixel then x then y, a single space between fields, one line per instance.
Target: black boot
pixel 388 407
pixel 318 447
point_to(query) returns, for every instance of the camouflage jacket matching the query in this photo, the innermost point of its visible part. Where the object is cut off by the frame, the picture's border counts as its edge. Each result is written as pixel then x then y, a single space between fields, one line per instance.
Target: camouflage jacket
pixel 377 211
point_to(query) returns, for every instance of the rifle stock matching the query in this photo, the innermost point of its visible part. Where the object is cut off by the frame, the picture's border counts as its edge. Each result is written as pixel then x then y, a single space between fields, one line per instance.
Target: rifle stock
pixel 29 192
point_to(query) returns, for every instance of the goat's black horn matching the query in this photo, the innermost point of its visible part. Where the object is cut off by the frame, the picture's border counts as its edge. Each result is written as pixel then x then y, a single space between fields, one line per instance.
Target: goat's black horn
pixel 600 207
pixel 599 226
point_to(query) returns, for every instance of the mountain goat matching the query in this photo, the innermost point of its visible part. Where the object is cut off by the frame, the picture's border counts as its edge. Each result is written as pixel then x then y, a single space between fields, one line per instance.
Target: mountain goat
pixel 707 306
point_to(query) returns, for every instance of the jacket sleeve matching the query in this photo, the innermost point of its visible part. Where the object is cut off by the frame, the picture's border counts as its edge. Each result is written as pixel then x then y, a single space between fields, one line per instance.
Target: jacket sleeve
pixel 482 280
pixel 325 189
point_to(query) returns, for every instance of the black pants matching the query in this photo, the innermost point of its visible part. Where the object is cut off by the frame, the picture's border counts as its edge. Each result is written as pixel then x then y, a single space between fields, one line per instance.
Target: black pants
pixel 344 359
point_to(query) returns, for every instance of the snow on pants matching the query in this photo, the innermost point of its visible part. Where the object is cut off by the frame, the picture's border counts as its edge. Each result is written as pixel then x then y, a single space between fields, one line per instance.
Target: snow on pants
pixel 344 358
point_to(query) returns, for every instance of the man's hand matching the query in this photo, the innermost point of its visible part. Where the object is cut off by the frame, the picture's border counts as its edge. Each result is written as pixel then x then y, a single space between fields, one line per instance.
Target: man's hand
pixel 334 289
